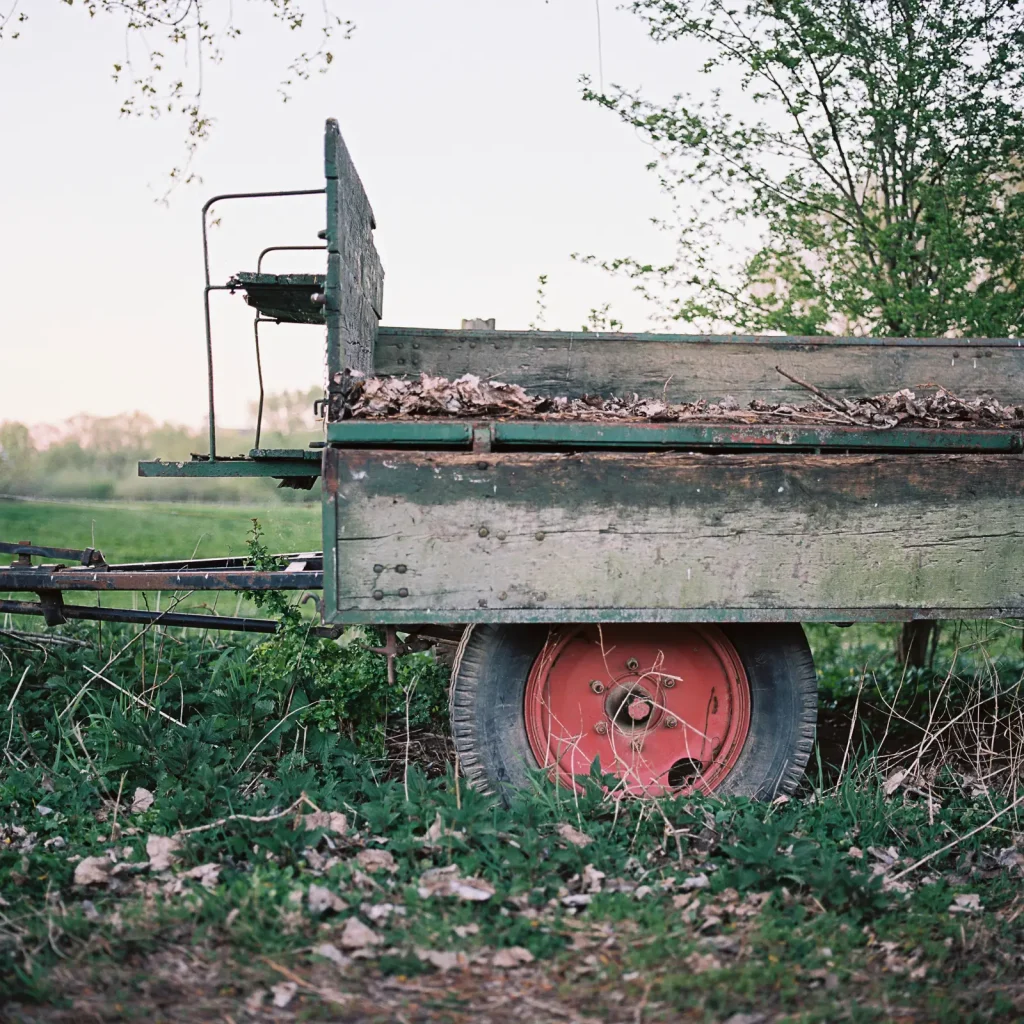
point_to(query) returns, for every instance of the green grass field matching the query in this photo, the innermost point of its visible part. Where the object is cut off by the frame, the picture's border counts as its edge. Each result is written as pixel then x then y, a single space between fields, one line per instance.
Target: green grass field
pixel 149 531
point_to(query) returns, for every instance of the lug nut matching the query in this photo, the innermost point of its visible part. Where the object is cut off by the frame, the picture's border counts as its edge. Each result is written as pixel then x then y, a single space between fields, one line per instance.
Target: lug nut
pixel 597 686
pixel 632 664
pixel 671 723
pixel 601 728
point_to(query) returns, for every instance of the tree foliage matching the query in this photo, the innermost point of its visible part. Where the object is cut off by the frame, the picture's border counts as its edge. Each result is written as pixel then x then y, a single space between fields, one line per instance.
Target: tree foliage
pixel 168 44
pixel 874 148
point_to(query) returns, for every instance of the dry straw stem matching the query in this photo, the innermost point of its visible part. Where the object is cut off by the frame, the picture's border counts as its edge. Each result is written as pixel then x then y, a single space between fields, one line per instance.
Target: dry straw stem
pixel 958 840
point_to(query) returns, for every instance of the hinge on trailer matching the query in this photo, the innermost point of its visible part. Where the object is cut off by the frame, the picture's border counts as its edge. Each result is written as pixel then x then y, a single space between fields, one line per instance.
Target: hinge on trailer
pixel 52 603
pixel 483 439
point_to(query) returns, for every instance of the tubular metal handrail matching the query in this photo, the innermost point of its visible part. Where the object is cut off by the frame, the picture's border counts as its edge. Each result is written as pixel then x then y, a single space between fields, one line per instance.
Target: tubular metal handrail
pixel 222 287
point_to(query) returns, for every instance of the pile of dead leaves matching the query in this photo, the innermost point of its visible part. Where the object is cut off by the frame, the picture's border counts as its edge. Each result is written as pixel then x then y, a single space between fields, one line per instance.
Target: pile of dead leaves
pixel 468 396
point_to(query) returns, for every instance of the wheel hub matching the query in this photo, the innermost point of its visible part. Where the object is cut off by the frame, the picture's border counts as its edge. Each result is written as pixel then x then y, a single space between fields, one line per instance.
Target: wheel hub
pixel 664 707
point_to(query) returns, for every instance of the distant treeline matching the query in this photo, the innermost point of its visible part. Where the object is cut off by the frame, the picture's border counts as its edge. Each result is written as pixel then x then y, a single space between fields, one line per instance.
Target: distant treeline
pixel 96 457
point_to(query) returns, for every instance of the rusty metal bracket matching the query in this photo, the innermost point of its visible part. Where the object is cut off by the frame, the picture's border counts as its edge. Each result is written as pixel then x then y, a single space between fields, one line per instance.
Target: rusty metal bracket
pixel 52 603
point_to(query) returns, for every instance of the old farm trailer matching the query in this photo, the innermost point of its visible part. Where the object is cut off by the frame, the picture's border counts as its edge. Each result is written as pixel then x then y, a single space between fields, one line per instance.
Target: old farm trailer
pixel 625 590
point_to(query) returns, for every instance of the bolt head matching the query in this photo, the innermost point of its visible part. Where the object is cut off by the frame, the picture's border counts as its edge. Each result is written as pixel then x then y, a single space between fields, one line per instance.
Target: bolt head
pixel 601 728
pixel 669 683
pixel 632 664
pixel 671 723
pixel 597 686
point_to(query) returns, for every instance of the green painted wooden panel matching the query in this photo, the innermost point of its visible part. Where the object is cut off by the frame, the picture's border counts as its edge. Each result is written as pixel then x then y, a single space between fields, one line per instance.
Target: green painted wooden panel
pixel 576 435
pixel 672 537
pixel 355 277
pixel 685 368
pixel 388 433
pixel 306 465
pixel 516 435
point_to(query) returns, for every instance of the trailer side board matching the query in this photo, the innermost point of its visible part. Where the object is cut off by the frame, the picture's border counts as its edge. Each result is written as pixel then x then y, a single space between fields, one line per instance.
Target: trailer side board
pixel 355 278
pixel 685 368
pixel 601 537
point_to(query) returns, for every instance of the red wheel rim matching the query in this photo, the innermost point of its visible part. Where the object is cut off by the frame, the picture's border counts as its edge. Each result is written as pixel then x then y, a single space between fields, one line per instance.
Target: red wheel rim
pixel 666 708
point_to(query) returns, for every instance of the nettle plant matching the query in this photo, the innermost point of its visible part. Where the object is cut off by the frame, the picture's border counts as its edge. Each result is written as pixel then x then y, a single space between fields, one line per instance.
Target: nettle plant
pixel 338 687
pixel 874 148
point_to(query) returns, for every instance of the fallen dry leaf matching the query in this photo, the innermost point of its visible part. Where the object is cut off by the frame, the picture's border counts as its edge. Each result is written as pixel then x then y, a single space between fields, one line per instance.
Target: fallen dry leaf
pixel 321 899
pixel 161 851
pixel 700 881
pixel 512 956
pixel 443 960
pixel 142 801
pixel 331 952
pixel 701 962
pixel 446 882
pixel 205 874
pixel 376 860
pixel 93 871
pixel 573 835
pixel 327 821
pixel 356 935
pixel 283 993
pixel 966 903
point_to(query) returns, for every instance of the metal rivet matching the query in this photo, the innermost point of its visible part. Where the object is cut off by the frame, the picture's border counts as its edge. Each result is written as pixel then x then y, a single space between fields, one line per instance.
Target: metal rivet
pixel 539 535
pixel 378 595
pixel 401 568
pixel 403 591
pixel 502 535
pixel 671 723
pixel 632 664
pixel 482 465
pixel 597 686
pixel 482 602
pixel 378 568
pixel 601 728
pixel 401 362
pixel 502 596
pixel 483 531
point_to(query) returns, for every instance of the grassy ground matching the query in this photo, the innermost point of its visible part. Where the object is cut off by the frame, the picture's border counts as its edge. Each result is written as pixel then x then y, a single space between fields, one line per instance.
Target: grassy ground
pixel 150 531
pixel 211 828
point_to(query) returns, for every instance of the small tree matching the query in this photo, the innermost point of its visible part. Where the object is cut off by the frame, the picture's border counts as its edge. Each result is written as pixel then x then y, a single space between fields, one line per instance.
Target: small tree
pixel 169 43
pixel 881 171
pixel 882 167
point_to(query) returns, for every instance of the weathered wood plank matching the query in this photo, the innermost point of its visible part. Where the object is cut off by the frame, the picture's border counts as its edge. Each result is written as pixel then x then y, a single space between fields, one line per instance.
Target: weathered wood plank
pixel 606 537
pixel 685 368
pixel 355 279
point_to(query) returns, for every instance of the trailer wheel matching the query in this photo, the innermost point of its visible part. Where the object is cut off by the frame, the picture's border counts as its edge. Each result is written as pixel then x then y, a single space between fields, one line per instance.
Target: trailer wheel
pixel 666 708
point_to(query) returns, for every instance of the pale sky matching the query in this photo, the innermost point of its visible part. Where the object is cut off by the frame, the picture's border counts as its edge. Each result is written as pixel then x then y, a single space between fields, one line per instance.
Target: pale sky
pixel 464 118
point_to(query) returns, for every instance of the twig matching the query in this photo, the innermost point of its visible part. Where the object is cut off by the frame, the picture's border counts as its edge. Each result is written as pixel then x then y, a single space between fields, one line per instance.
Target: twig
pixel 827 399
pixel 853 724
pixel 959 839
pixel 259 818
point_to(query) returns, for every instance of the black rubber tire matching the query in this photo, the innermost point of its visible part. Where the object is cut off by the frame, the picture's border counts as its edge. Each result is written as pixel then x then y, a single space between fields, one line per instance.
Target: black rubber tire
pixel 489 723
